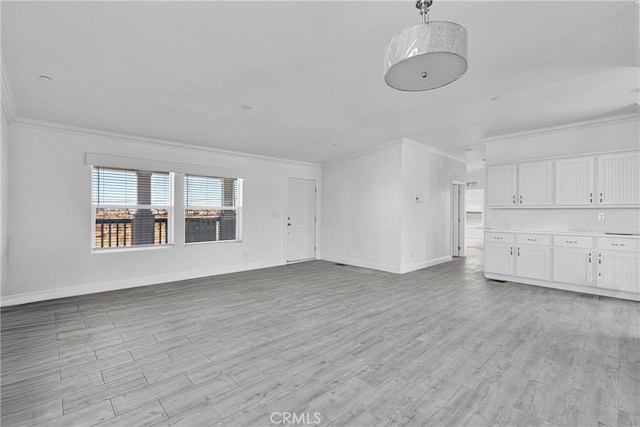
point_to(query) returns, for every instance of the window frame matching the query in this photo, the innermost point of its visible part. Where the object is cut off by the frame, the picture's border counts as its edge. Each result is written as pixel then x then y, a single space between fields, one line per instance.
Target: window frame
pixel 238 209
pixel 170 232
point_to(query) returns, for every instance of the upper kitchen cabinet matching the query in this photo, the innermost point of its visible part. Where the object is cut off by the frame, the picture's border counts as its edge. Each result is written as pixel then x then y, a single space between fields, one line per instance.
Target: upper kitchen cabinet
pixel 619 179
pixel 575 182
pixel 535 184
pixel 502 183
pixel 525 184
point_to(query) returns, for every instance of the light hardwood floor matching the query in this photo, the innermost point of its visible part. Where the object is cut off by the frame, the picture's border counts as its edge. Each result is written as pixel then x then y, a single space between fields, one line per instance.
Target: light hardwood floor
pixel 440 346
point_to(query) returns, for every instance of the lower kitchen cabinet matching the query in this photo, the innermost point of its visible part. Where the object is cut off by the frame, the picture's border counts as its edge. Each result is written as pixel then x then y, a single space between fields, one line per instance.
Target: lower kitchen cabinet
pixel 573 265
pixel 533 262
pixel 601 265
pixel 498 258
pixel 619 270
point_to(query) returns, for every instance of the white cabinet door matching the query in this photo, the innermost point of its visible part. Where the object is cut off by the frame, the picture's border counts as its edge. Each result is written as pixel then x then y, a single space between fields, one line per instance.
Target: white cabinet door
pixel 498 258
pixel 619 179
pixel 619 270
pixel 533 262
pixel 501 185
pixel 575 181
pixel 534 184
pixel 573 265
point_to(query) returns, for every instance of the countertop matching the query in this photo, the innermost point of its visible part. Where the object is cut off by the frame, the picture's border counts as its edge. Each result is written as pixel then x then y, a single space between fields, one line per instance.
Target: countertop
pixel 565 233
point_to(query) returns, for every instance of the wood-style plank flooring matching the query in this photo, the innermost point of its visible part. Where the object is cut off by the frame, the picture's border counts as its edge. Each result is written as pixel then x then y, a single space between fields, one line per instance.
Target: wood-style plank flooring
pixel 439 346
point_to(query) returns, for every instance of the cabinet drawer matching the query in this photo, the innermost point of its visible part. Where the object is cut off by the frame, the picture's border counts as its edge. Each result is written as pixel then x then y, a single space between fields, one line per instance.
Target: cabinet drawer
pixel 534 239
pixel 493 236
pixel 573 242
pixel 616 243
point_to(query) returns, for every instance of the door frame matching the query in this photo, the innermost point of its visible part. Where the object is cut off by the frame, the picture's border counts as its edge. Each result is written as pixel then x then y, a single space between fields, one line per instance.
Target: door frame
pixel 458 218
pixel 285 220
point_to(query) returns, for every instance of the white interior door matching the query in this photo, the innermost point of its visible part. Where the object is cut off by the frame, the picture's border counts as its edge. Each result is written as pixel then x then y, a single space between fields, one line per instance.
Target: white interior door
pixel 301 219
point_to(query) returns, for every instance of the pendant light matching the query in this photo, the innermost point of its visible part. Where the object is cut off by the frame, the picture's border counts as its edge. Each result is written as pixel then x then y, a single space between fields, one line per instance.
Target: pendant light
pixel 427 56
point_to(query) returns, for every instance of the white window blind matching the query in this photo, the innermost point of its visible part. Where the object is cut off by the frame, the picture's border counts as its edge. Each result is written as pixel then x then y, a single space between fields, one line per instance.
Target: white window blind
pixel 212 208
pixel 131 207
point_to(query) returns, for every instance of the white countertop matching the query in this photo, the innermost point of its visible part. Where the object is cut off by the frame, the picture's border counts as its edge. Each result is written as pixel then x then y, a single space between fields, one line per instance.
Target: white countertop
pixel 563 233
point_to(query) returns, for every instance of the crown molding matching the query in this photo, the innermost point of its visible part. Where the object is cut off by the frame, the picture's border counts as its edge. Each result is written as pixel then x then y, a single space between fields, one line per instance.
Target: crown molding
pixel 431 149
pixel 363 152
pixel 8 102
pixel 370 150
pixel 584 124
pixel 95 133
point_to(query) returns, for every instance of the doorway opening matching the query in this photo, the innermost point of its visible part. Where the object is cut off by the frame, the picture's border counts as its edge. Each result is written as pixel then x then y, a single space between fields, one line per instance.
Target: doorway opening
pixel 474 215
pixel 457 219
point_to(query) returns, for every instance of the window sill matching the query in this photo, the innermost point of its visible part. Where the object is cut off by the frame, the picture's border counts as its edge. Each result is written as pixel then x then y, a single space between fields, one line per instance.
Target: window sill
pixel 212 242
pixel 129 249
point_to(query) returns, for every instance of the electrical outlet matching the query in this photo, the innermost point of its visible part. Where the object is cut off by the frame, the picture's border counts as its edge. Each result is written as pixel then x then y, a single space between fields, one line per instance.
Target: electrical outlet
pixel 600 216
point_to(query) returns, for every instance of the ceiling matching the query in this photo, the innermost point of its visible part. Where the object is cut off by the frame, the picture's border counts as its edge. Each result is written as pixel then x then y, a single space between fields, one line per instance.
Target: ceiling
pixel 312 71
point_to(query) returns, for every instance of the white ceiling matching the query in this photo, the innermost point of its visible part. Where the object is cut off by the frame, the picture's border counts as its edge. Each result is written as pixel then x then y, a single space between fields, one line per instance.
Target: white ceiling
pixel 312 71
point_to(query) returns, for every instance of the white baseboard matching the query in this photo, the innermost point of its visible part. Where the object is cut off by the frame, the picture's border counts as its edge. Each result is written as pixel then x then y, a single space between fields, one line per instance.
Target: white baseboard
pixel 566 287
pixel 389 268
pixel 424 264
pixel 113 285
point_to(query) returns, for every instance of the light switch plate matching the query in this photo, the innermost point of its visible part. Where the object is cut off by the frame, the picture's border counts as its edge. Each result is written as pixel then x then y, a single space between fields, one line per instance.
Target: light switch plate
pixel 600 216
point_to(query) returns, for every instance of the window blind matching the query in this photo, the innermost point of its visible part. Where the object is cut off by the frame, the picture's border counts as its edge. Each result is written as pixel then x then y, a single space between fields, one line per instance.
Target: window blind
pixel 212 208
pixel 131 207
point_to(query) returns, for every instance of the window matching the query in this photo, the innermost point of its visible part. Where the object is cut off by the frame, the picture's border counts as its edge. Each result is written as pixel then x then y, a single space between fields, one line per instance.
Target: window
pixel 131 208
pixel 212 208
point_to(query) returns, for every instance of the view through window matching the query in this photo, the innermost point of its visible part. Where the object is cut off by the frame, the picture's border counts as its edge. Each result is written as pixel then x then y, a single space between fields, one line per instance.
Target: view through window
pixel 211 208
pixel 131 207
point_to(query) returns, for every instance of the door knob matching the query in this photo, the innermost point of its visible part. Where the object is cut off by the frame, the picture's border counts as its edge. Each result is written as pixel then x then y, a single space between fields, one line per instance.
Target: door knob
pixel 289 224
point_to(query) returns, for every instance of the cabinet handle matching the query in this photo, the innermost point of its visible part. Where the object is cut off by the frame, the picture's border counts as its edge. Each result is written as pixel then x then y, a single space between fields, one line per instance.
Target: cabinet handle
pixel 514 199
pixel 599 260
pixel 590 197
pixel 521 199
pixel 511 250
pixel 497 237
pixel 518 250
pixel 589 257
pixel 600 197
pixel 619 244
pixel 532 240
pixel 572 241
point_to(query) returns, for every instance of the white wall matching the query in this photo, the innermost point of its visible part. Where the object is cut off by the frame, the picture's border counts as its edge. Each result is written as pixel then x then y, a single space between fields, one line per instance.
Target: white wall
pixel 4 198
pixel 361 209
pixel 618 135
pixel 478 176
pixel 369 214
pixel 426 227
pixel 50 213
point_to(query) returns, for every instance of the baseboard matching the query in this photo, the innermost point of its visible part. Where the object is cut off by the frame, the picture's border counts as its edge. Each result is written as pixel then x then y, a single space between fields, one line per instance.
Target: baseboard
pixel 425 264
pixel 389 268
pixel 566 287
pixel 114 285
